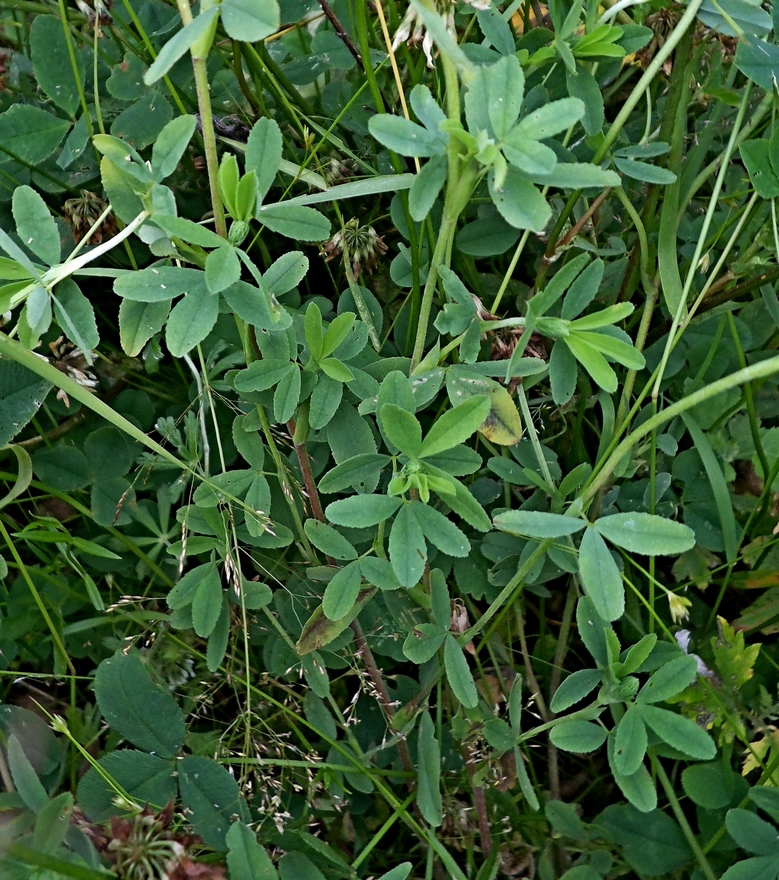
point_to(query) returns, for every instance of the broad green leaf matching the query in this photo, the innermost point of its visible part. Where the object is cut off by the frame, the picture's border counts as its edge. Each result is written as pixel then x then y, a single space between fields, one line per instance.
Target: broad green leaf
pixel 644 171
pixel 325 400
pixel 752 833
pixel 519 202
pixel 52 823
pixel 577 175
pixel 426 187
pixel 219 637
pixel 538 524
pixel 379 573
pixel 286 272
pixel 407 549
pixel 600 576
pixel 528 155
pixel 313 330
pixel 429 768
pixel 21 394
pixel 669 680
pixel 462 502
pixel 455 426
pixel 679 732
pixel 146 778
pixel 356 189
pixel 37 310
pixel 246 197
pixel 360 511
pixel 319 631
pixel 502 425
pixel 423 642
pixel 639 789
pixel 758 868
pixel 736 18
pixel 578 736
pixel 56 73
pixel 630 742
pixel 336 370
pixel 336 333
pixel 592 631
pixel 159 283
pixel 563 372
pixel 506 90
pixel 184 591
pixel 575 688
pixel 459 674
pixel 246 859
pixel 256 306
pixel 179 44
pixel 604 317
pixel 585 87
pixel 141 124
pixel 136 708
pixel 427 110
pixel 594 362
pixel 613 349
pixel 708 785
pixel 139 321
pixel 329 541
pixel 405 137
pixel 170 146
pixel 342 591
pixel 295 221
pixel 207 604
pixel 263 154
pixel 402 429
pixel 358 469
pixel 75 315
pixel 250 20
pixel 440 531
pixel 190 321
pixel 646 533
pixel 223 268
pixel 638 653
pixel 29 787
pixel 551 119
pixel 211 797
pixel 758 60
pixel 34 224
pixel 30 133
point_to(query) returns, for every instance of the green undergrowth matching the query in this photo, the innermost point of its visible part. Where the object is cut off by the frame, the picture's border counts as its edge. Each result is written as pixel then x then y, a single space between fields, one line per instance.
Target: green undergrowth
pixel 389 440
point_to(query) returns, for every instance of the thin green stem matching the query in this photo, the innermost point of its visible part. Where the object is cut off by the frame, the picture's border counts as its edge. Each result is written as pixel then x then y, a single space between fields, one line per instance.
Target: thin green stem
pixel 203 88
pixel 677 810
pixel 752 373
pixel 673 338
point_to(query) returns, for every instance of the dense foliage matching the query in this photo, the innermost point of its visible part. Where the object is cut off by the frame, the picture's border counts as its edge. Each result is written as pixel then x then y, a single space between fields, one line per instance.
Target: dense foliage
pixel 389 440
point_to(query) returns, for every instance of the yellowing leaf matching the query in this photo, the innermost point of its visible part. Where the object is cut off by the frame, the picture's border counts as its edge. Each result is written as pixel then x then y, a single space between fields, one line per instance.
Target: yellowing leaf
pixel 502 425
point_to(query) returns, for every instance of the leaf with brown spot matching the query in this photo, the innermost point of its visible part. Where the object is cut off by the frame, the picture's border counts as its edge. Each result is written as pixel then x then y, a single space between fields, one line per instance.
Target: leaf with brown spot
pixel 502 425
pixel 319 631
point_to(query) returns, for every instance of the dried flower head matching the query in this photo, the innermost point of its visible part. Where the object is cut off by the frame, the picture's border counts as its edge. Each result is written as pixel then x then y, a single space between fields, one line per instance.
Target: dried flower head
pixel 412 29
pixel 84 211
pixel 145 847
pixel 360 244
pixel 97 12
pixel 73 363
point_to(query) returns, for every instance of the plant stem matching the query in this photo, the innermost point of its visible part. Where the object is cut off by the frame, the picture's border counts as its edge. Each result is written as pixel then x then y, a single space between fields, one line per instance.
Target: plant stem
pixel 206 123
pixel 673 800
pixel 760 370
